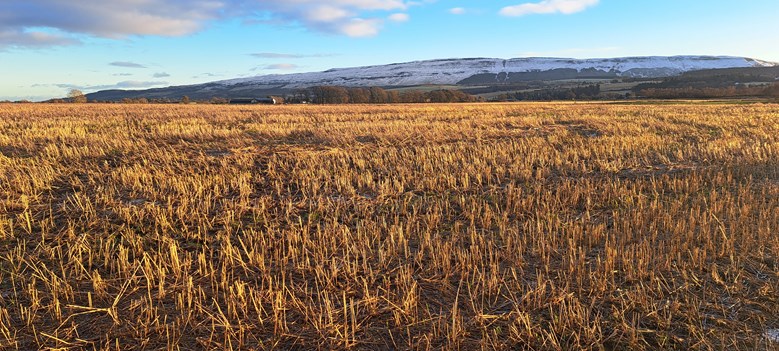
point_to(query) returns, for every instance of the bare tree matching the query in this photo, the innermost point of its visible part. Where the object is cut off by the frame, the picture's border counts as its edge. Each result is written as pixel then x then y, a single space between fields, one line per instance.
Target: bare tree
pixel 77 96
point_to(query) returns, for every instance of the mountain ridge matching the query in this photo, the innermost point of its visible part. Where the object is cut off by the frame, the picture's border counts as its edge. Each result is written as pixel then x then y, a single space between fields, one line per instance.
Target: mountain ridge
pixel 457 71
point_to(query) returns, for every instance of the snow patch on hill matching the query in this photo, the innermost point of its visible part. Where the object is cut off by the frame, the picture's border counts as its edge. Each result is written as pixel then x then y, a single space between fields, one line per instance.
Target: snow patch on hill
pixel 451 71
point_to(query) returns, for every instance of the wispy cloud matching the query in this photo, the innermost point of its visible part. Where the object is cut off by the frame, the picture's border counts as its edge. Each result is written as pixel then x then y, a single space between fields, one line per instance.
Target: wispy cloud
pixel 207 75
pixel 129 84
pixel 276 55
pixel 281 66
pixel 161 75
pixel 29 38
pixel 126 64
pixel 457 11
pixel 566 7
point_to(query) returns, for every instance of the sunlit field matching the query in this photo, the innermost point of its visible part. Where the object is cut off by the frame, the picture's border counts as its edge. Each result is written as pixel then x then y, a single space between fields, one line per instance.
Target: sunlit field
pixel 465 226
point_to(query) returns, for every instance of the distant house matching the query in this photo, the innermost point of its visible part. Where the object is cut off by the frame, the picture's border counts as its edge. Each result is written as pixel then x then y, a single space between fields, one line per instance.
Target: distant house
pixel 252 101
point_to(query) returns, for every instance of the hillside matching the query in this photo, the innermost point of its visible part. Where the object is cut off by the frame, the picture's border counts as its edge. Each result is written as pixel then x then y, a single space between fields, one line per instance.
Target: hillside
pixel 461 72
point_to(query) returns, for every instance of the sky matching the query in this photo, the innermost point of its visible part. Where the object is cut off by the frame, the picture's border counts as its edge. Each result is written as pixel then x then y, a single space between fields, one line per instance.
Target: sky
pixel 48 47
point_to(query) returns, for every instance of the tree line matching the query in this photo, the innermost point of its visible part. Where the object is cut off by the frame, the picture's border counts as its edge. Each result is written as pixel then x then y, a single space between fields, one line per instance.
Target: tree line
pixel 771 91
pixel 585 92
pixel 318 95
pixel 375 95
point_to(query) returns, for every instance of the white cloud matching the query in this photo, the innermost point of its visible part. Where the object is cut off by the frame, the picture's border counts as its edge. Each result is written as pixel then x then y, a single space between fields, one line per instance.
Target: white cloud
pixel 457 11
pixel 548 7
pixel 359 27
pixel 399 17
pixel 65 20
pixel 346 17
pixel 327 13
pixel 111 19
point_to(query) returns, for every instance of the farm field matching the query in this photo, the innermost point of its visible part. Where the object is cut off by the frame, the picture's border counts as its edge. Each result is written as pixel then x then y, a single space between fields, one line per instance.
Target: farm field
pixel 548 226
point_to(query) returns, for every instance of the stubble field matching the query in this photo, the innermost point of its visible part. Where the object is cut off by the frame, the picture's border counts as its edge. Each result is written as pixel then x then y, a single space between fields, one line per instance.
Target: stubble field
pixel 484 226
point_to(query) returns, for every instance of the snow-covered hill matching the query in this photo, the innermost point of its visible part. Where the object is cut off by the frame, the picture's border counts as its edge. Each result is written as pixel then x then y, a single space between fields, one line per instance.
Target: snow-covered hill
pixel 454 71
pixel 463 72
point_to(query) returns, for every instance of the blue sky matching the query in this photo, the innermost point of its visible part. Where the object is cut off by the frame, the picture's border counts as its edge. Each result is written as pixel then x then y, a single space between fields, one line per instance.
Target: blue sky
pixel 50 46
